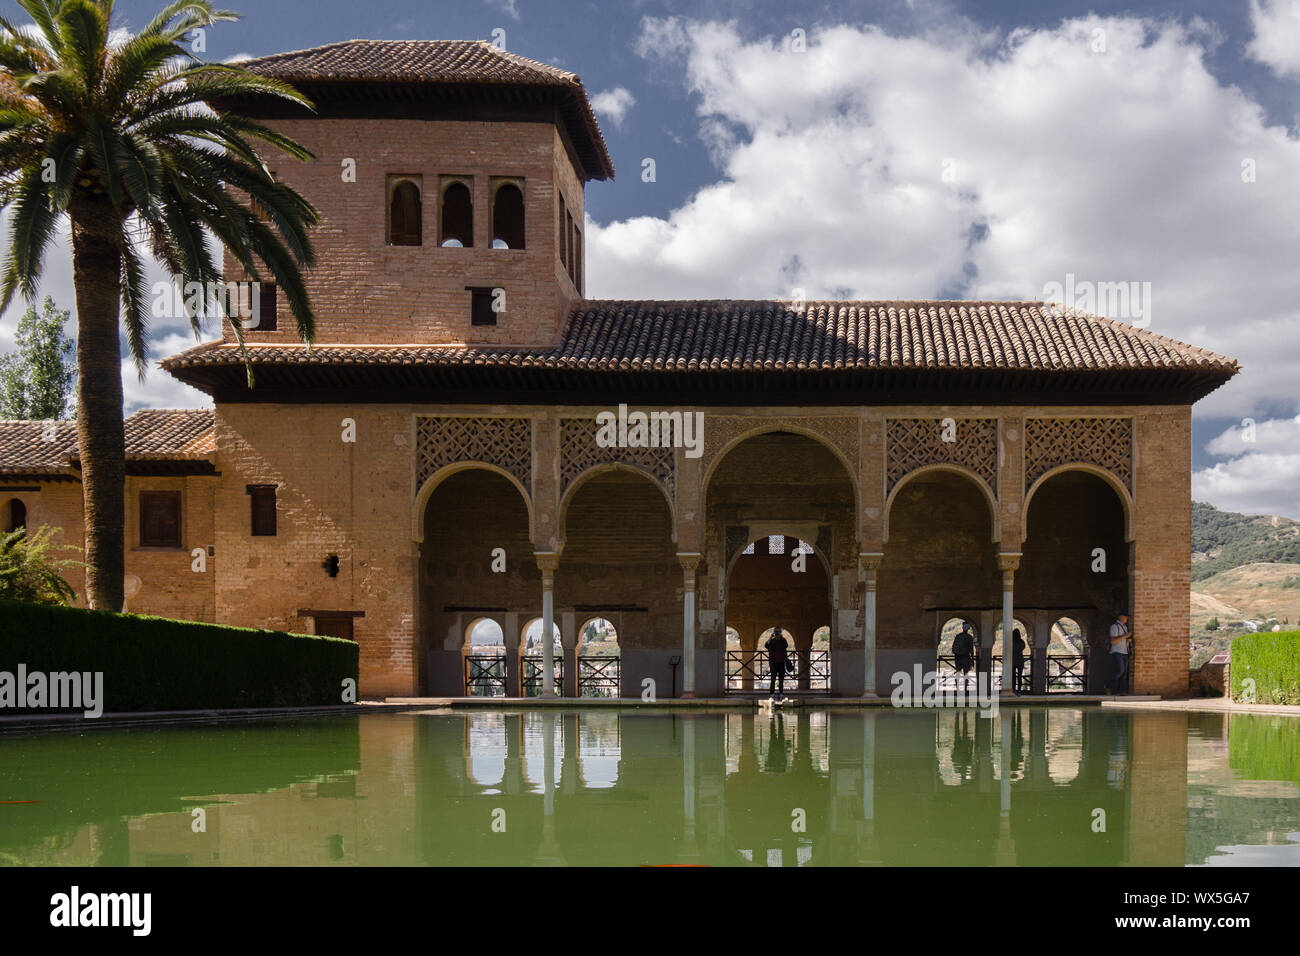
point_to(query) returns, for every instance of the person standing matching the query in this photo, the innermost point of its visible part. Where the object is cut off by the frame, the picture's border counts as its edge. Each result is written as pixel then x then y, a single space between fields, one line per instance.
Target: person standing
pixel 1121 645
pixel 963 650
pixel 1017 660
pixel 777 648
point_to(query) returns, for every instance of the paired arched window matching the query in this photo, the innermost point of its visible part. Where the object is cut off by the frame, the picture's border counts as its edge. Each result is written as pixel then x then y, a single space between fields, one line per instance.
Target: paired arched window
pixel 456 223
pixel 404 212
pixel 508 217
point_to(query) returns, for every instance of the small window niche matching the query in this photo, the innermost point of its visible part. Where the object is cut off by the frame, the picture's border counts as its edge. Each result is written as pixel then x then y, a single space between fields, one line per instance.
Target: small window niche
pixel 507 214
pixel 13 515
pixel 482 298
pixel 262 507
pixel 456 213
pixel 265 314
pixel 405 210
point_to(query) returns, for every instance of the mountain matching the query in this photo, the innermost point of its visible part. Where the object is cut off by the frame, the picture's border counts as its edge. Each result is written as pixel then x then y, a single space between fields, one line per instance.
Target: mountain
pixel 1222 540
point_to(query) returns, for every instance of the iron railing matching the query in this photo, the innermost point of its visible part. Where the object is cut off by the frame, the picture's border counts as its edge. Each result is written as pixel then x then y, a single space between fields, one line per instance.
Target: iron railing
pixel 485 675
pixel 599 676
pixel 1026 674
pixel 749 671
pixel 1067 674
pixel 533 671
pixel 951 678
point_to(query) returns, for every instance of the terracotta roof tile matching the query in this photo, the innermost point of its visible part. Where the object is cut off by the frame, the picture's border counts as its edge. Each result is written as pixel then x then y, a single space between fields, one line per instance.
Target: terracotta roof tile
pixel 730 336
pixel 151 435
pixel 442 62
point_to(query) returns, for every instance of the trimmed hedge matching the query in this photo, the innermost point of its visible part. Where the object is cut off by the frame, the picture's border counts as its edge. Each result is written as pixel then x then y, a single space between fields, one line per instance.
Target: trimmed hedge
pixel 153 663
pixel 1272 661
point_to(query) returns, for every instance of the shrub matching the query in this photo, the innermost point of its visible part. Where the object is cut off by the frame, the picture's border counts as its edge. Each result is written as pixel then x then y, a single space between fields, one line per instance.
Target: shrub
pixel 29 573
pixel 152 663
pixel 1272 662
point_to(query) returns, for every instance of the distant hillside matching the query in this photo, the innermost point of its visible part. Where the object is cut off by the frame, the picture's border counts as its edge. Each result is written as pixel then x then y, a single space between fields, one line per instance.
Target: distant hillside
pixel 1222 540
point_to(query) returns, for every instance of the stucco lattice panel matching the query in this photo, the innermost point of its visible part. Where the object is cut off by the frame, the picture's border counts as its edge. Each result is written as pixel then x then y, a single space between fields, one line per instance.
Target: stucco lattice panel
pixel 840 431
pixel 1104 442
pixel 506 443
pixel 579 451
pixel 914 443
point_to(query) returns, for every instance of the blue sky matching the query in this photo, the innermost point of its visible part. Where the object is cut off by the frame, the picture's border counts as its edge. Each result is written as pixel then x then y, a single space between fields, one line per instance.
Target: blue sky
pixel 919 149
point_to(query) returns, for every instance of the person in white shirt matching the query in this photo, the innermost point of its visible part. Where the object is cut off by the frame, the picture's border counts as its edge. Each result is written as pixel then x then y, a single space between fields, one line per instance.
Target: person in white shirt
pixel 1121 643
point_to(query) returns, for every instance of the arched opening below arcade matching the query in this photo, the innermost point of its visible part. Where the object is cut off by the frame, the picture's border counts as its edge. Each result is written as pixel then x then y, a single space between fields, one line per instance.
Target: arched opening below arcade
pixel 477 580
pixel 940 566
pixel 599 660
pixel 619 580
pixel 778 581
pixel 1075 576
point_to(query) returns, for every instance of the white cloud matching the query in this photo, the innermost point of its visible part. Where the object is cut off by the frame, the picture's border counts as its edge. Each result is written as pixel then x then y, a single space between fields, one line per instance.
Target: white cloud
pixel 1276 43
pixel 1260 475
pixel 1123 165
pixel 613 104
pixel 507 7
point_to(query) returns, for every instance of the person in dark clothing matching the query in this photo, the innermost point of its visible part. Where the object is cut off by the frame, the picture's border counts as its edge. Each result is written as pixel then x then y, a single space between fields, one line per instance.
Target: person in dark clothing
pixel 963 650
pixel 777 647
pixel 1017 660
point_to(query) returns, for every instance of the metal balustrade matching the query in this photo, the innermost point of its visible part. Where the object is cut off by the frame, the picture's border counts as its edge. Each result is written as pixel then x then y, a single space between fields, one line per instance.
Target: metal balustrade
pixel 534 670
pixel 749 671
pixel 485 675
pixel 599 676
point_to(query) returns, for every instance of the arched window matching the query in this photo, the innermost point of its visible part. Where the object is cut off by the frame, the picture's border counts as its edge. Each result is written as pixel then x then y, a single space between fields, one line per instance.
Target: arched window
pixel 457 222
pixel 404 213
pixel 508 217
pixel 13 515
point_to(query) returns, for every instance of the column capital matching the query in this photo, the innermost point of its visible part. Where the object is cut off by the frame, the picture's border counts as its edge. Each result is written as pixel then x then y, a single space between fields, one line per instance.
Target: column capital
pixel 870 560
pixel 689 560
pixel 547 560
pixel 1008 560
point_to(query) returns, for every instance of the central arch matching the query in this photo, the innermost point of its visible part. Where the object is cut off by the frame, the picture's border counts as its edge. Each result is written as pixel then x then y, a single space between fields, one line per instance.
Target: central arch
pixel 779 486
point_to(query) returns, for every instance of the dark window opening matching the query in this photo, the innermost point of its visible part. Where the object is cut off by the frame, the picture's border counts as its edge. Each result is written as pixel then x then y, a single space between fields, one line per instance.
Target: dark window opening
pixel 508 217
pixel 265 316
pixel 331 565
pixel 262 505
pixel 404 215
pixel 568 238
pixel 564 237
pixel 330 625
pixel 577 259
pixel 160 519
pixel 481 311
pixel 14 515
pixel 457 224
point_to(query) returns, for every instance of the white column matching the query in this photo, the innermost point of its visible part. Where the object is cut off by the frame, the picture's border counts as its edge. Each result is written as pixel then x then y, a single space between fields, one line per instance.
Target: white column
pixel 547 562
pixel 1008 563
pixel 871 566
pixel 688 561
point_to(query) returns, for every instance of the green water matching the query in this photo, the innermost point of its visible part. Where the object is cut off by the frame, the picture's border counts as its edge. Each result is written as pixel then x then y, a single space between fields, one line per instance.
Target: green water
pixel 1085 787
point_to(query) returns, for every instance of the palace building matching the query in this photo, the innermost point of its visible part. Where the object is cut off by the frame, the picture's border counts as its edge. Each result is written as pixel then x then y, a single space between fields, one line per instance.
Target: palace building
pixel 865 474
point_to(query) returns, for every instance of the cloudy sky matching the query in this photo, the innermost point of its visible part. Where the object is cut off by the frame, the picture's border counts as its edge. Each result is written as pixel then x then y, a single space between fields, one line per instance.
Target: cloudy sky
pixel 916 149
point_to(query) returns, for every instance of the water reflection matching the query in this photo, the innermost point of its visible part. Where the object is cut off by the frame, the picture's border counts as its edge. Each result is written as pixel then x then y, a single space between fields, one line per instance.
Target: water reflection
pixel 1025 787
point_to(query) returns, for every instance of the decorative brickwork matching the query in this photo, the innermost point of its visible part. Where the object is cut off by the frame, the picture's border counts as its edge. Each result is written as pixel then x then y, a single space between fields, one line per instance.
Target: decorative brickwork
pixel 1104 442
pixel 840 431
pixel 504 442
pixel 579 451
pixel 913 443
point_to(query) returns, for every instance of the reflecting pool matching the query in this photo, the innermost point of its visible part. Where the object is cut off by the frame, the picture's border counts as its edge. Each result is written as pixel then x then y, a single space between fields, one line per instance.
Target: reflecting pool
pixel 1029 786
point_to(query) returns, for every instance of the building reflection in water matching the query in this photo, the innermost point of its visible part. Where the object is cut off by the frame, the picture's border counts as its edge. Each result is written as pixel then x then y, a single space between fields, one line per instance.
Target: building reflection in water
pixel 1027 786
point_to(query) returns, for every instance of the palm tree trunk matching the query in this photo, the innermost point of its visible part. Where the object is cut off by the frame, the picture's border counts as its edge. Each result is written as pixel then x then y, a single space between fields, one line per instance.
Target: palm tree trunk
pixel 101 441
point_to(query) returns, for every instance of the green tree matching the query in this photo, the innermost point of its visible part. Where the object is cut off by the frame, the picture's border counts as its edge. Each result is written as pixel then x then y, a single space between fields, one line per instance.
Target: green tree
pixel 28 570
pixel 36 378
pixel 129 139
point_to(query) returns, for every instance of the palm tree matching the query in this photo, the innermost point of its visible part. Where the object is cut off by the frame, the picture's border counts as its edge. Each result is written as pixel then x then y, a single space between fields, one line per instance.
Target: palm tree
pixel 126 136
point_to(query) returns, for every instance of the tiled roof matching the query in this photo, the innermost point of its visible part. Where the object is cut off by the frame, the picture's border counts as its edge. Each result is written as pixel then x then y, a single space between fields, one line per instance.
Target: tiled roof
pixel 431 61
pixel 152 435
pixel 475 63
pixel 34 448
pixel 772 337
